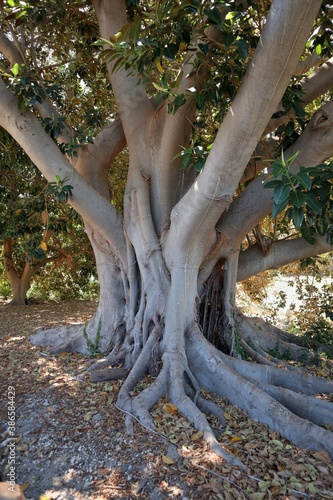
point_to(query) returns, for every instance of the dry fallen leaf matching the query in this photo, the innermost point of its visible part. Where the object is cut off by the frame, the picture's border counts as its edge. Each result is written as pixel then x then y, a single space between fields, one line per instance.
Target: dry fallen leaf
pixel 88 416
pixel 103 472
pixel 24 486
pixel 167 460
pixel 322 455
pixel 235 439
pixel 268 457
pixel 196 436
pixel 170 408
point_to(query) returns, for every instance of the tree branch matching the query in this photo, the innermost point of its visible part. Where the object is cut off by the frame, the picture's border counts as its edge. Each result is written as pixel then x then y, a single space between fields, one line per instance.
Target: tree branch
pixel 318 82
pixel 46 108
pixel 43 152
pixel 131 97
pixel 283 39
pixel 313 86
pixel 252 261
pixel 315 145
pixel 94 160
pixel 10 51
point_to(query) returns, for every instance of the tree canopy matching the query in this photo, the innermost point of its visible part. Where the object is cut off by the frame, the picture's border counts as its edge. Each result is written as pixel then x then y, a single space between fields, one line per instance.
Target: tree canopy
pixel 213 122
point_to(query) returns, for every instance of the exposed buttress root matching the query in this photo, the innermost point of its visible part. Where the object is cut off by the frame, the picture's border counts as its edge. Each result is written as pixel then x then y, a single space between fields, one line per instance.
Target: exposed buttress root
pixel 171 383
pixel 255 391
pixel 61 339
pixel 259 338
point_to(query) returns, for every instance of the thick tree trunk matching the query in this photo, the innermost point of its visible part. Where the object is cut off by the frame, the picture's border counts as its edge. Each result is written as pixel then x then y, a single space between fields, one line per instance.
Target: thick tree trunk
pixel 154 263
pixel 107 327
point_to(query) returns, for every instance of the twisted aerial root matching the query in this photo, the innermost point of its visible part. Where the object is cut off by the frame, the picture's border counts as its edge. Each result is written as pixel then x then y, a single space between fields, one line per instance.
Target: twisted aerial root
pixel 137 373
pixel 207 406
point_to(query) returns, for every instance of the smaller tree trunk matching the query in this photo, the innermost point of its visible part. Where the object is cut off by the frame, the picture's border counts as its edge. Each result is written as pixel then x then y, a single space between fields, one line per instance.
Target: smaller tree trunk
pixel 19 284
pixel 20 289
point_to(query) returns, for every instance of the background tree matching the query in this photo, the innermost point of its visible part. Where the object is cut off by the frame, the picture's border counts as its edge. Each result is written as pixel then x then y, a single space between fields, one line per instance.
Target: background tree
pixel 35 229
pixel 198 84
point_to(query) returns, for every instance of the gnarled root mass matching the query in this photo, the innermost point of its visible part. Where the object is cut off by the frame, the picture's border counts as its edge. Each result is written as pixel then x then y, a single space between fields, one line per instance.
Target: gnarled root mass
pixel 283 399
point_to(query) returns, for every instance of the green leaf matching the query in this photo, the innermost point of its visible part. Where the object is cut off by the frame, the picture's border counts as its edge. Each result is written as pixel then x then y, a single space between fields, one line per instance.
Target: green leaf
pixel 121 36
pixel 201 101
pixel 176 82
pixel 289 128
pixel 158 87
pixel 170 51
pixel 297 216
pixel 322 224
pixel 178 102
pixel 304 179
pixel 243 48
pixel 298 108
pixel 135 29
pixel 227 38
pixel 186 160
pixel 214 16
pixel 15 69
pixel 292 158
pixel 119 63
pixel 324 191
pixel 278 114
pixel 281 194
pixel 198 164
pixel 277 209
pixel 312 202
pixel 297 199
pixel 231 15
pixel 307 233
pixel 278 168
pixel 273 184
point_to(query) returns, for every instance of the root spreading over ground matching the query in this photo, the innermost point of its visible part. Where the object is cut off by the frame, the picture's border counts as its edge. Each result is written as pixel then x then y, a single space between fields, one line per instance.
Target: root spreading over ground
pixel 285 397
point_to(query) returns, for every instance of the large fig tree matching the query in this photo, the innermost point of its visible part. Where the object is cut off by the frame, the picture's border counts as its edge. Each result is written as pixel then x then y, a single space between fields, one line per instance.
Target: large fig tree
pixel 210 102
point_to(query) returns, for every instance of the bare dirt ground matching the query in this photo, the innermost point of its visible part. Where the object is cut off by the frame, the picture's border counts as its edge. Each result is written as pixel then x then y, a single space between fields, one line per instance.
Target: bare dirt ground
pixel 71 442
